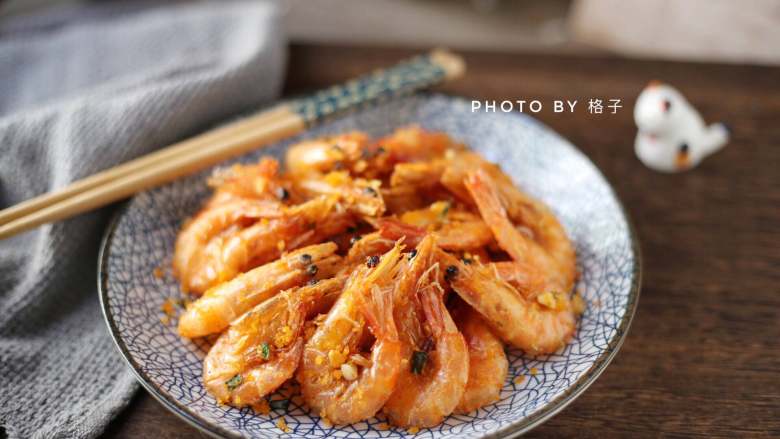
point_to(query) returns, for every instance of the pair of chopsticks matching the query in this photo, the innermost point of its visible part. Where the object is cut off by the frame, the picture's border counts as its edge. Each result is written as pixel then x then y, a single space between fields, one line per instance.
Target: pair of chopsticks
pixel 231 140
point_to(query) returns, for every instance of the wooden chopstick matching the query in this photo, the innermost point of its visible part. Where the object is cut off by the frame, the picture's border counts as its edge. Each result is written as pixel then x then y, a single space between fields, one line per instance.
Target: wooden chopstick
pixel 135 165
pixel 231 140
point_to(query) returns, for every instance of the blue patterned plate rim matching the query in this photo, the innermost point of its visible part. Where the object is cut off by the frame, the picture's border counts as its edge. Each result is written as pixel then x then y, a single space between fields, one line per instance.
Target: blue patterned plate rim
pixel 510 431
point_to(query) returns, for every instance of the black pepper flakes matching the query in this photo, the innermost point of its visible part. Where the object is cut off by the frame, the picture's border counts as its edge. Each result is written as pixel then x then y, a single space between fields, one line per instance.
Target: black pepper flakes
pixel 311 270
pixel 451 272
pixel 372 261
pixel 305 258
pixel 314 281
pixel 412 254
pixel 467 261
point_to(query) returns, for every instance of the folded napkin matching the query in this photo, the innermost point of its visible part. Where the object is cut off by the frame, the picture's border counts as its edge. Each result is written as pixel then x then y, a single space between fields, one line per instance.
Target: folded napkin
pixel 83 89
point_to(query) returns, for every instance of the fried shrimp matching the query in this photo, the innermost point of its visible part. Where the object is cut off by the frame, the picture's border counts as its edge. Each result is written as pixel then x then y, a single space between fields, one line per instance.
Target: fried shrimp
pixel 265 240
pixel 219 306
pixel 259 181
pixel 540 325
pixel 261 350
pixel 335 272
pixel 488 365
pixel 327 154
pixel 337 379
pixel 359 195
pixel 410 144
pixel 554 261
pixel 190 253
pixel 435 363
pixel 454 231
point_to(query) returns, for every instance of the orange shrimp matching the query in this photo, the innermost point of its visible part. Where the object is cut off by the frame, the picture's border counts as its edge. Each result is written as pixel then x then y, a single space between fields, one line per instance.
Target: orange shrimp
pixel 548 260
pixel 488 365
pixel 464 231
pixel 262 349
pixel 539 325
pixel 321 156
pixel 435 357
pixel 219 306
pixel 207 225
pixel 258 181
pixel 308 223
pixel 337 380
pixel 361 196
pixel 412 143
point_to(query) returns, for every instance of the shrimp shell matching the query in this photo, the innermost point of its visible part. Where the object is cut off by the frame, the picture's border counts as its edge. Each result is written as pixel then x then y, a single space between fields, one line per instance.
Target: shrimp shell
pixel 277 323
pixel 222 304
pixel 366 300
pixel 488 365
pixel 523 323
pixel 423 398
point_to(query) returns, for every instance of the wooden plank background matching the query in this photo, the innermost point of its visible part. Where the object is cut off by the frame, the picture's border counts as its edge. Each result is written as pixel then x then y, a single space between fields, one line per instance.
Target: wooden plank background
pixel 703 355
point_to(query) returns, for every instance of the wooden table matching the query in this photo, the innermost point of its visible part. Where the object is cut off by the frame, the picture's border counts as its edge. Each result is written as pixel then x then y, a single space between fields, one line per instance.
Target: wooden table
pixel 703 354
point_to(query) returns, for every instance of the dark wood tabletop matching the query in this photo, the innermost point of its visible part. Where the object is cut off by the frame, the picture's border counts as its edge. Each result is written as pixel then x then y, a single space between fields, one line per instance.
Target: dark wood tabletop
pixel 702 357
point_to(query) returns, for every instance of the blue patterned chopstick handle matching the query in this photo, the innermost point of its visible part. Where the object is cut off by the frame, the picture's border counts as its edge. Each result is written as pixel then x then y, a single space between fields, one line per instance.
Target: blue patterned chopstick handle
pixel 404 78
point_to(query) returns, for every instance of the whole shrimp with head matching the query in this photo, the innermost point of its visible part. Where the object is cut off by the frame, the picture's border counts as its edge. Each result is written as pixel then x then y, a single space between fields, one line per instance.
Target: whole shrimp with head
pixel 435 365
pixel 340 378
pixel 262 349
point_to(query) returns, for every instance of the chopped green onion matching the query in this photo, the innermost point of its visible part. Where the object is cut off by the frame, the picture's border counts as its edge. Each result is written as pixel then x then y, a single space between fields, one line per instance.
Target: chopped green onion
pixel 419 359
pixel 265 351
pixel 234 382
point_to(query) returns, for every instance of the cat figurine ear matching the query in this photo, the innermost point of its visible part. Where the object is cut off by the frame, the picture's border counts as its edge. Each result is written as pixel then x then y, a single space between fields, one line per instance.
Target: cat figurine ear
pixel 672 135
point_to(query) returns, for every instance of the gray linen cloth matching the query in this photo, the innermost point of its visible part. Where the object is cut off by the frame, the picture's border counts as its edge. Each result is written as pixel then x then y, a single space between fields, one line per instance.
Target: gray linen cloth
pixel 81 90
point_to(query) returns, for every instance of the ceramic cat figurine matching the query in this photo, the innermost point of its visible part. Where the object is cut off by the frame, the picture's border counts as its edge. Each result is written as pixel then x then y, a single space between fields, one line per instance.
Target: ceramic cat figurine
pixel 672 135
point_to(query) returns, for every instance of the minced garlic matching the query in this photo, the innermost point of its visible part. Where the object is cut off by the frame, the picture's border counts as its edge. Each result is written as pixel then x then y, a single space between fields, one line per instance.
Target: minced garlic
pixel 349 371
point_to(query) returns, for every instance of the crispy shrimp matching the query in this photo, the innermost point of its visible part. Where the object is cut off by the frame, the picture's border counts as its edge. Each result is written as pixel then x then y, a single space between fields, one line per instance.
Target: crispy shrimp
pixel 321 156
pixel 553 257
pixel 409 144
pixel 208 224
pixel 259 181
pixel 473 179
pixel 337 380
pixel 453 229
pixel 219 306
pixel 262 349
pixel 488 365
pixel 418 174
pixel 359 195
pixel 230 254
pixel 539 325
pixel 435 365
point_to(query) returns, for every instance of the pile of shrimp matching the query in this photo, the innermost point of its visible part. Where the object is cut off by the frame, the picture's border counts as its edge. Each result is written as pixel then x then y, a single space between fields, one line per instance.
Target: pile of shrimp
pixel 385 276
